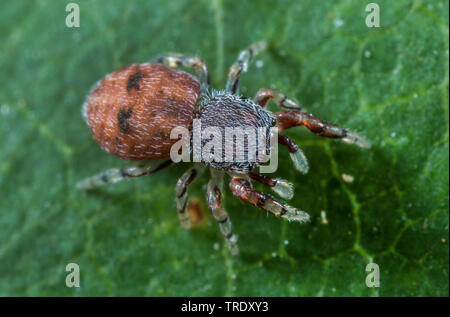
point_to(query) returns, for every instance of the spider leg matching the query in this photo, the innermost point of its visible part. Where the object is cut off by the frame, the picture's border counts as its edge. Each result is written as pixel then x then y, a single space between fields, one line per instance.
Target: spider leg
pixel 177 60
pixel 282 187
pixel 263 96
pixel 242 189
pixel 241 65
pixel 115 175
pixel 292 118
pixel 287 119
pixel 182 195
pixel 297 156
pixel 214 195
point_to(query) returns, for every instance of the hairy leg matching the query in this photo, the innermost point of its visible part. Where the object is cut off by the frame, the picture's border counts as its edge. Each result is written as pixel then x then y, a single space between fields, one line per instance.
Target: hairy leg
pixel 177 60
pixel 242 189
pixel 115 175
pixel 282 187
pixel 291 118
pixel 297 156
pixel 214 196
pixel 182 195
pixel 241 65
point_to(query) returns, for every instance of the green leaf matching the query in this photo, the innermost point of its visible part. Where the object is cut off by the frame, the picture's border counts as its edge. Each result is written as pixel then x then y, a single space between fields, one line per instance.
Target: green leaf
pixel 388 83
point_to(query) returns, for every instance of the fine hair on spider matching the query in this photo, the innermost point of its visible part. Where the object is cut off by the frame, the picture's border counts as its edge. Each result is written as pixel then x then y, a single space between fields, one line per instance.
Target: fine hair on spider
pixel 132 113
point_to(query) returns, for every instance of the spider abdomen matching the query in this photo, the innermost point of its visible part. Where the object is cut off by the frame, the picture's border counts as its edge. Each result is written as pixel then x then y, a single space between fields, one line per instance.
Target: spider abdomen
pixel 132 111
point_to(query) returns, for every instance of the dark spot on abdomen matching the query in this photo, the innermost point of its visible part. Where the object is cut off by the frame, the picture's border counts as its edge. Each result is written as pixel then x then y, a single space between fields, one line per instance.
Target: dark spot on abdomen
pixel 123 116
pixel 162 135
pixel 133 81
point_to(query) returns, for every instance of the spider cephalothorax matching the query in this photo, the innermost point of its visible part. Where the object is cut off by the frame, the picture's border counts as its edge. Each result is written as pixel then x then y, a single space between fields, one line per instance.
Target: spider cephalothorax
pixel 238 121
pixel 133 111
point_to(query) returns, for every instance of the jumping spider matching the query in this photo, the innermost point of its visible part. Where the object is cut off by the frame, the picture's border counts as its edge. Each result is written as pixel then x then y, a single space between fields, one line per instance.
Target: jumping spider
pixel 132 111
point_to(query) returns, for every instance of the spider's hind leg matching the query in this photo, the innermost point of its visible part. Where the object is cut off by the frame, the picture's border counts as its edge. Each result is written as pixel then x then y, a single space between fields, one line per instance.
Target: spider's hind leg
pixel 115 174
pixel 241 65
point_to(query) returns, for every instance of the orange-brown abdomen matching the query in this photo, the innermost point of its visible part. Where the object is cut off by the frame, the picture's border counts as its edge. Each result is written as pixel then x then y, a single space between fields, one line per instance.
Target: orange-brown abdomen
pixel 132 111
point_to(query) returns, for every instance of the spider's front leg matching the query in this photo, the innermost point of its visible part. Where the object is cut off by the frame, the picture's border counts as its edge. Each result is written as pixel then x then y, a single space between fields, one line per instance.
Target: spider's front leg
pixel 297 156
pixel 291 118
pixel 115 174
pixel 262 98
pixel 241 65
pixel 214 197
pixel 177 60
pixel 242 189
pixel 182 195
pixel 281 186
